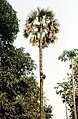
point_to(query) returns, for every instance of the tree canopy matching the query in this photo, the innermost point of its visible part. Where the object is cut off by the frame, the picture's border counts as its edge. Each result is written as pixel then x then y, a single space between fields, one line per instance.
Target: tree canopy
pixel 8 22
pixel 9 28
pixel 50 27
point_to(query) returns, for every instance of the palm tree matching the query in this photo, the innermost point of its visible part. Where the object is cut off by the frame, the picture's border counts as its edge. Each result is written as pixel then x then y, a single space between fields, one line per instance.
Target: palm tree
pixel 42 29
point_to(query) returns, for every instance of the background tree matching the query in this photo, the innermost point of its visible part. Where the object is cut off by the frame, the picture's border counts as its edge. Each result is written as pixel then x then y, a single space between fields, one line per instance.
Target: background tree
pixel 8 22
pixel 67 86
pixel 8 28
pixel 42 28
pixel 70 55
pixel 14 69
pixel 64 89
pixel 20 92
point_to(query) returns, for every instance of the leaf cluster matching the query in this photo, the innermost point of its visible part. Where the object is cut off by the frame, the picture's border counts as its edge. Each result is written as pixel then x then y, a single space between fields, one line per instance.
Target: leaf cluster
pixel 67 55
pixel 8 22
pixel 50 27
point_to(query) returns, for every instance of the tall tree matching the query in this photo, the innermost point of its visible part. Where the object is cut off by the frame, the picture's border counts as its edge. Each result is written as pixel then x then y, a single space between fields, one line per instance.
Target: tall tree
pixel 66 86
pixel 15 66
pixel 8 28
pixel 42 28
pixel 71 55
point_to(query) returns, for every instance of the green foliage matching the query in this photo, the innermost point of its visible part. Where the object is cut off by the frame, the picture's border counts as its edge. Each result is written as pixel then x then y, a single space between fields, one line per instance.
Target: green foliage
pixel 48 112
pixel 19 62
pixel 65 89
pixel 8 22
pixel 67 55
pixel 8 29
pixel 49 27
pixel 19 97
pixel 19 92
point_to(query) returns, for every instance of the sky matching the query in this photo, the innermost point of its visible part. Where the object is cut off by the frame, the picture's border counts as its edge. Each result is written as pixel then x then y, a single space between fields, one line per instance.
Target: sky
pixel 66 11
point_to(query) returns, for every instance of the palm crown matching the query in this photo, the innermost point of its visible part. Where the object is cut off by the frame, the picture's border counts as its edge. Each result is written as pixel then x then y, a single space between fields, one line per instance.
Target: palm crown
pixel 49 27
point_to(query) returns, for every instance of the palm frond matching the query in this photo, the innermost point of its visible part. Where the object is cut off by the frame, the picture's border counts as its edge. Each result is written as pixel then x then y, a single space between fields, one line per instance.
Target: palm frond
pixel 49 27
pixel 32 17
pixel 50 14
pixel 26 34
pixel 34 40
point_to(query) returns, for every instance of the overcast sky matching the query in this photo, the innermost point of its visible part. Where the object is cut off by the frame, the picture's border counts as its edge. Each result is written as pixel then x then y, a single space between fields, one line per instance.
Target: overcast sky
pixel 66 11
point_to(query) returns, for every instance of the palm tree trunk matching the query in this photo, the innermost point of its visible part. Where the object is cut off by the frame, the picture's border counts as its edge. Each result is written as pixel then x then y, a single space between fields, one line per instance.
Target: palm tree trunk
pixel 73 84
pixel 41 74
